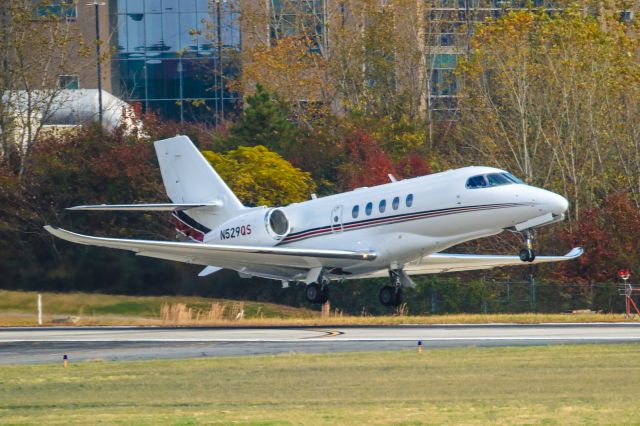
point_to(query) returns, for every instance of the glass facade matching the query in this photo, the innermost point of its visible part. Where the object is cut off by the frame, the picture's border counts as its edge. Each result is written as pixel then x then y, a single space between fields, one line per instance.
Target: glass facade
pixel 303 18
pixel 174 57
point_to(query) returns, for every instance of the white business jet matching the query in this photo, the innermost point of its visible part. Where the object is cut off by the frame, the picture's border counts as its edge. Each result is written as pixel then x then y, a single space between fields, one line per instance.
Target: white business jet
pixel 395 230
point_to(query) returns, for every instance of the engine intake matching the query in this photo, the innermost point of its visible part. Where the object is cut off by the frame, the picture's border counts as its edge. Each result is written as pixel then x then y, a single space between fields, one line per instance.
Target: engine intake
pixel 277 223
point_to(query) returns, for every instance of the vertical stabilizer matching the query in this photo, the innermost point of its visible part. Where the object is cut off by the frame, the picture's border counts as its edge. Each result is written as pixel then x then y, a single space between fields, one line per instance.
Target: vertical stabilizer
pixel 189 178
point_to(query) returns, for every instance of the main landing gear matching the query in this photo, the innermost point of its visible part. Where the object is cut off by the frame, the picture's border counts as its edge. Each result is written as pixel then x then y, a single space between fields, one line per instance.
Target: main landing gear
pixel 527 254
pixel 391 295
pixel 318 292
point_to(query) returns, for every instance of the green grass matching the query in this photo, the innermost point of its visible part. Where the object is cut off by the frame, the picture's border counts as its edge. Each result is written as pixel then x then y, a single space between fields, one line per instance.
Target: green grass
pixel 550 385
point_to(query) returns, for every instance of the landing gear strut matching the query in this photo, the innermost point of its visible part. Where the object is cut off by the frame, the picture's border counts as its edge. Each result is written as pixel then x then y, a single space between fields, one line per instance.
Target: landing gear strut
pixel 318 292
pixel 527 254
pixel 391 295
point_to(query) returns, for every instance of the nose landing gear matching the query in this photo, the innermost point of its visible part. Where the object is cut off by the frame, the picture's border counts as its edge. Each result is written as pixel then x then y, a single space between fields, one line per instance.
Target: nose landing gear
pixel 527 254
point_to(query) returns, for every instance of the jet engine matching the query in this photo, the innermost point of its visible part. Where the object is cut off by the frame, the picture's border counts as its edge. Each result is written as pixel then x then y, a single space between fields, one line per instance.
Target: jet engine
pixel 265 227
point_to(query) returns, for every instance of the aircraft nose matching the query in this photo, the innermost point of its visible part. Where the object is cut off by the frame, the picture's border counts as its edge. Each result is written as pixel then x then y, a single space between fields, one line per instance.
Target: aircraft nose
pixel 557 204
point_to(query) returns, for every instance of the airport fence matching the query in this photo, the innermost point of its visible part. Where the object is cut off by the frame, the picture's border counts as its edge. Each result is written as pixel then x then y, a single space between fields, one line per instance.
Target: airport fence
pixel 520 296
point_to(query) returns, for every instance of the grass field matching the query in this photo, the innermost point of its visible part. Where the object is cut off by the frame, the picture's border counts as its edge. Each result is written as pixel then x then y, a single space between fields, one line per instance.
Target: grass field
pixel 551 385
pixel 19 309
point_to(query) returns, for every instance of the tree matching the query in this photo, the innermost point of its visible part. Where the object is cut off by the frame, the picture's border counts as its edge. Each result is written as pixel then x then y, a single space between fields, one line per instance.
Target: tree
pixel 555 99
pixel 264 122
pixel 37 45
pixel 261 177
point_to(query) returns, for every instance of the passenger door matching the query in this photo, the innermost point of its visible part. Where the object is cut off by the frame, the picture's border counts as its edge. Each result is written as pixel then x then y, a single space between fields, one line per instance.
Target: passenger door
pixel 336 219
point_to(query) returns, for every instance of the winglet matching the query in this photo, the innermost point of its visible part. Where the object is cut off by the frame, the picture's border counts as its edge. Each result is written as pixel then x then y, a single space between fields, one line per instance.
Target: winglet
pixel 575 252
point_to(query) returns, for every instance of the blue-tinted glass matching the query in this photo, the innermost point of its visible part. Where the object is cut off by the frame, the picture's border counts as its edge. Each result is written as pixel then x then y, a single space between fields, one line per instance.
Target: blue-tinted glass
pixel 121 5
pixel 135 33
pixel 171 32
pixel 153 32
pixel 355 211
pixel 119 39
pixel 135 6
pixel 170 5
pixel 162 79
pixel 497 179
pixel 199 78
pixel 131 79
pixel 368 209
pixel 153 6
pixel 166 109
pixel 188 27
pixel 409 200
pixel 202 5
pixel 382 206
pixel 187 5
pixel 476 182
pixel 396 203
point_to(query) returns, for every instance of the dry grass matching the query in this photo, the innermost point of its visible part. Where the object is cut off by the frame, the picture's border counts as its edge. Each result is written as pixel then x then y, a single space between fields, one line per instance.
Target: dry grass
pixel 19 309
pixel 551 385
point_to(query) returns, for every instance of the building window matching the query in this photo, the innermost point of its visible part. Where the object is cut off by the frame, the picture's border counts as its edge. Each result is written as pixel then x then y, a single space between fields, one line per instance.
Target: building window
pixel 298 18
pixel 368 209
pixel 69 82
pixel 382 206
pixel 58 8
pixel 396 203
pixel 355 211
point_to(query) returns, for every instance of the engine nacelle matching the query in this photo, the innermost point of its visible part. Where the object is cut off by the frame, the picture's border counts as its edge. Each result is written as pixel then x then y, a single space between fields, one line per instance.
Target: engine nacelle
pixel 264 227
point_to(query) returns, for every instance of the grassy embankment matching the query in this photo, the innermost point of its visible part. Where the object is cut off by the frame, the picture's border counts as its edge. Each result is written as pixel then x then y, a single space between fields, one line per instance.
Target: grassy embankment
pixel 563 385
pixel 19 309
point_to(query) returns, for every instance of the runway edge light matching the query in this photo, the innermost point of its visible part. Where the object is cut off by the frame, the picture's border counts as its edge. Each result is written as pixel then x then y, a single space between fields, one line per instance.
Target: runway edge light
pixel 65 360
pixel 420 346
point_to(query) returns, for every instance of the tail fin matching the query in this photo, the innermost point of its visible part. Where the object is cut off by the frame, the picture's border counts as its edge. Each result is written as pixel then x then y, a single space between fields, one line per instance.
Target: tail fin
pixel 189 179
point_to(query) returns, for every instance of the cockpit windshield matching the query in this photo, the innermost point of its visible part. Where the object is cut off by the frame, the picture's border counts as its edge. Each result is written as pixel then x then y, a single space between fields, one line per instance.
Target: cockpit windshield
pixel 492 179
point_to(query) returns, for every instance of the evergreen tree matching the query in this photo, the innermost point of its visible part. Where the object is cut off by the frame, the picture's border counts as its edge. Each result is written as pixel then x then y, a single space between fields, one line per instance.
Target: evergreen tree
pixel 265 122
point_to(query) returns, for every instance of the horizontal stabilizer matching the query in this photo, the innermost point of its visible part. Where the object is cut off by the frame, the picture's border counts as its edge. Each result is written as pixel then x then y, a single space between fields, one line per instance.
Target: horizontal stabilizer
pixel 146 207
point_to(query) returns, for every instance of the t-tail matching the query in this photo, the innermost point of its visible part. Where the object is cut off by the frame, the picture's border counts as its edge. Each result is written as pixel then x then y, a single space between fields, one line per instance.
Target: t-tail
pixel 200 198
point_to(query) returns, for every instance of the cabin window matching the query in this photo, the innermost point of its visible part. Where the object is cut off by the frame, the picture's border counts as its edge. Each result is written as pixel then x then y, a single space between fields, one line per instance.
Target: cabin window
pixel 395 203
pixel 355 211
pixel 368 209
pixel 382 206
pixel 409 200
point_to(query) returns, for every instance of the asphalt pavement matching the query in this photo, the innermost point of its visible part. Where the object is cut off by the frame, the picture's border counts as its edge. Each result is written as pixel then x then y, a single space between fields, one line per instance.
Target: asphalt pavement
pixel 48 345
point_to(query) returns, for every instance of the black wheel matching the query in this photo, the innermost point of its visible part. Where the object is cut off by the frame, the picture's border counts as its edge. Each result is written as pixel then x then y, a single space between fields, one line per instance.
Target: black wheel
pixel 313 293
pixel 387 295
pixel 527 255
pixel 397 300
pixel 324 294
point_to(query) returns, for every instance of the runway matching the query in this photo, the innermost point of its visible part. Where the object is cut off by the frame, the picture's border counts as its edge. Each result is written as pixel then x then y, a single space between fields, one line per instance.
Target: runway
pixel 44 345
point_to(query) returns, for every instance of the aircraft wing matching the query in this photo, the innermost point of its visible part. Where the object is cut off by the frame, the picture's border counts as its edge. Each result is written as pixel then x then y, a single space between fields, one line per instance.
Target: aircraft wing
pixel 444 262
pixel 224 256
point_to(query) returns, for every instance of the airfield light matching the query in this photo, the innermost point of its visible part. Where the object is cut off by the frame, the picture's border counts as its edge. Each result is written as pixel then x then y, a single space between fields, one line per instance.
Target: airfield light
pixel 65 361
pixel 420 349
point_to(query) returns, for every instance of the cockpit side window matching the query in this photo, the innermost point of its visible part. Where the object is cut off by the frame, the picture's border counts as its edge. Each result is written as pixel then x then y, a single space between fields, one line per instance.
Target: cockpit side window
pixel 476 182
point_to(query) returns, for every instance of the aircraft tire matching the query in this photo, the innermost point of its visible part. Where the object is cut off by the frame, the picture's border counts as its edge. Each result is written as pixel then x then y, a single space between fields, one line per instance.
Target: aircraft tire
pixel 387 295
pixel 527 255
pixel 317 293
pixel 313 292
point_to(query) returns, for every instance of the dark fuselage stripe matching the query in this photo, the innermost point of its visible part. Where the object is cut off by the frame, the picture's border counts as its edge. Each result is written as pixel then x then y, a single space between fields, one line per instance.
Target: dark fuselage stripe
pixel 405 217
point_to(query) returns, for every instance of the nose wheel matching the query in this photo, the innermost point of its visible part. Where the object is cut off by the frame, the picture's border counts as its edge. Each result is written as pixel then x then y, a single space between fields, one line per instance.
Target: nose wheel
pixel 528 254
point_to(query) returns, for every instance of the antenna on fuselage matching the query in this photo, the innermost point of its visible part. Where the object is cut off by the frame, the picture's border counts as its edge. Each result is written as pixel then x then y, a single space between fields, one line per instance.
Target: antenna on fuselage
pixel 392 178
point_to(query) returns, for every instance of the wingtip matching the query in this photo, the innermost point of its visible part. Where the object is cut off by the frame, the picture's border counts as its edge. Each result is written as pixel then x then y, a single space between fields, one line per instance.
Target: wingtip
pixel 575 252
